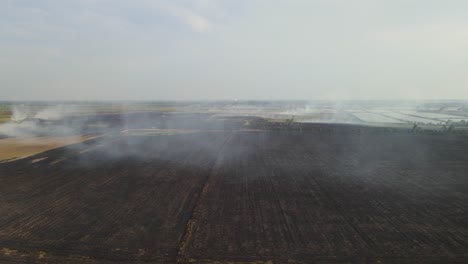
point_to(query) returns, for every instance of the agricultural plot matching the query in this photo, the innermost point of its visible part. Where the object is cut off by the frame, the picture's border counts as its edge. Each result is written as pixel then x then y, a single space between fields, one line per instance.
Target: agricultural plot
pixel 4 119
pixel 325 194
pixel 438 116
pixel 333 198
pixel 84 202
pixel 409 118
pixel 336 117
pixel 16 148
pixel 5 115
pixel 376 118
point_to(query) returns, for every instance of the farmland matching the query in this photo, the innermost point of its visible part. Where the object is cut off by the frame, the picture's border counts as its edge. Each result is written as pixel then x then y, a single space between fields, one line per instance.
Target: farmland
pixel 443 117
pixel 407 118
pixel 228 190
pixel 13 148
pixel 374 113
pixel 330 197
pixel 376 118
pixel 77 202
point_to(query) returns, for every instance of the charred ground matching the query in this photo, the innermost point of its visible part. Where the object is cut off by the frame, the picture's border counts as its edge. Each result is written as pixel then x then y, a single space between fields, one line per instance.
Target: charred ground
pixel 239 191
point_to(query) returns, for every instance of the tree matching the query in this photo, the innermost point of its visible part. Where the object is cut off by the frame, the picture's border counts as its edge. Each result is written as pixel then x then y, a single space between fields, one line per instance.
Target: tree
pixel 289 121
pixel 416 128
pixel 451 128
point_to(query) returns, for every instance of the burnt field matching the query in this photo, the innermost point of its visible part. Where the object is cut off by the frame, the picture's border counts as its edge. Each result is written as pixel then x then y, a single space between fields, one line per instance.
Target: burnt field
pixel 328 193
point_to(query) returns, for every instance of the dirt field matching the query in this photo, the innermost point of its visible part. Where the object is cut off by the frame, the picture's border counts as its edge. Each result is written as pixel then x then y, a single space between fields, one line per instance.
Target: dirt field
pixel 323 195
pixel 16 148
pixel 334 198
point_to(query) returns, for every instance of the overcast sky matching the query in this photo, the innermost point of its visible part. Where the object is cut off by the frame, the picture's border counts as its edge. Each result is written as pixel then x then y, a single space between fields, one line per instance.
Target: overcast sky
pixel 233 49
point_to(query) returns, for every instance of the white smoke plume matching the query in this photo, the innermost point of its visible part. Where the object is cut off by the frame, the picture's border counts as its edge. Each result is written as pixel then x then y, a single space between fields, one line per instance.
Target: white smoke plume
pixel 19 113
pixel 55 112
pixel 26 121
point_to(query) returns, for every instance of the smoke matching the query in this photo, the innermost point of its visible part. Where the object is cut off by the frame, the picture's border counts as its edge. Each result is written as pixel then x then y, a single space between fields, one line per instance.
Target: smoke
pixel 19 113
pixel 127 128
pixel 56 112
pixel 30 121
pixel 320 112
pixel 128 133
pixel 21 129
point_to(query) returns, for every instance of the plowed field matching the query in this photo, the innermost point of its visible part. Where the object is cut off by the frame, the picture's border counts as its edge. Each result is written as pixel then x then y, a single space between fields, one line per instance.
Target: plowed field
pixel 240 196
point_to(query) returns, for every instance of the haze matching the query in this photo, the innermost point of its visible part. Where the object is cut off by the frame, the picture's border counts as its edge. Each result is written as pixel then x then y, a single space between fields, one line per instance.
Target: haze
pixel 208 50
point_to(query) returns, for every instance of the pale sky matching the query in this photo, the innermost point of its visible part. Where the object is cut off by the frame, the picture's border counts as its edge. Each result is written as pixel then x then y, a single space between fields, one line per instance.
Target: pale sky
pixel 233 49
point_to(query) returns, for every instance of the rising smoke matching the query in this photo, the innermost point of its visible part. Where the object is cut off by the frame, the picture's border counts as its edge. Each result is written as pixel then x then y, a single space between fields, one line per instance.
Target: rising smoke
pixel 28 121
pixel 120 135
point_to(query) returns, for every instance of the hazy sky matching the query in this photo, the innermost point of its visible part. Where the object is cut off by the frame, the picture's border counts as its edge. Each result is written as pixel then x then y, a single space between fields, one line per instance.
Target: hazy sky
pixel 233 49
